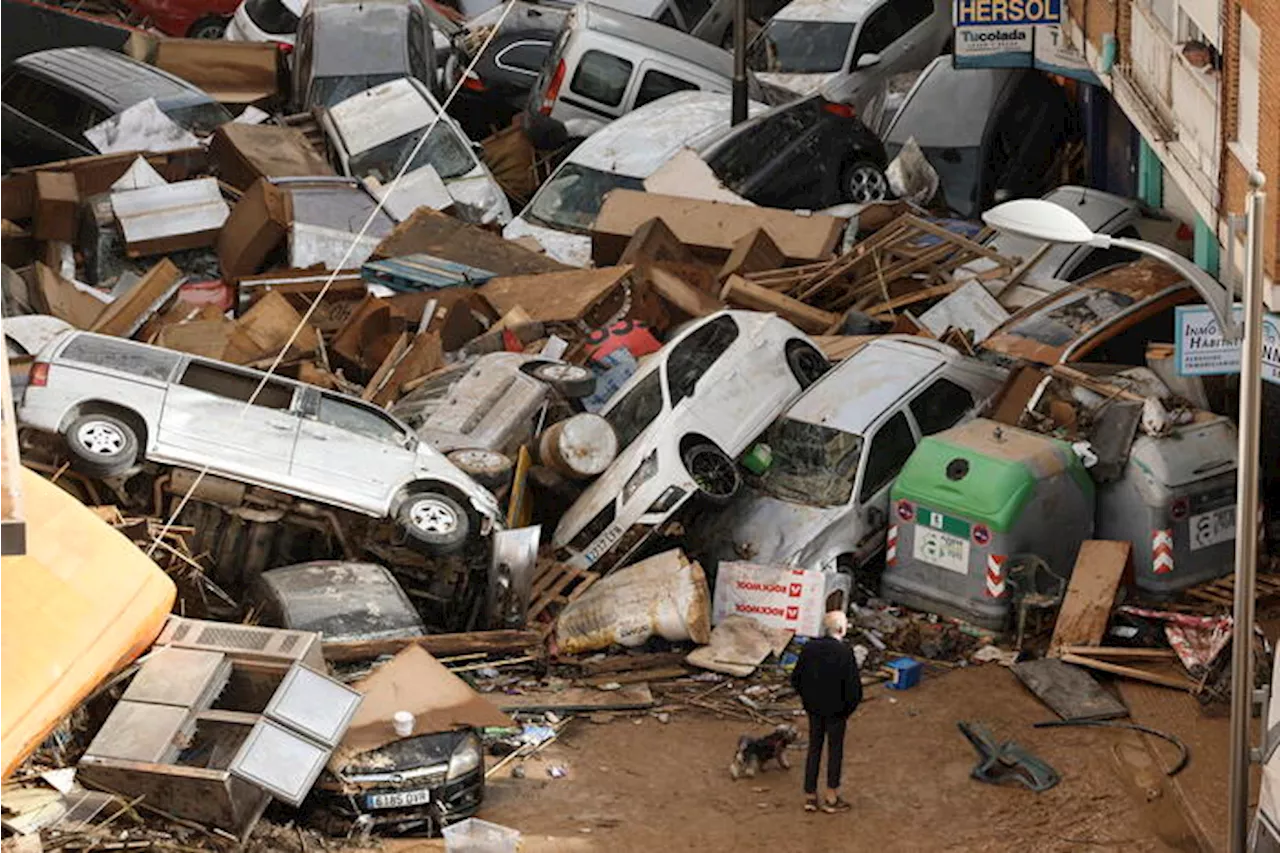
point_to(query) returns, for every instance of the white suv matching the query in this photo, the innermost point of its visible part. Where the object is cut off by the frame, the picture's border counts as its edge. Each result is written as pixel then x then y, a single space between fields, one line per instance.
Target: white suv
pixel 117 402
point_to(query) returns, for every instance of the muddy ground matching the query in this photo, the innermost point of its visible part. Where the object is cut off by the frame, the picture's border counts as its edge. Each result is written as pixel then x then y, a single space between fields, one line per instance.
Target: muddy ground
pixel 644 786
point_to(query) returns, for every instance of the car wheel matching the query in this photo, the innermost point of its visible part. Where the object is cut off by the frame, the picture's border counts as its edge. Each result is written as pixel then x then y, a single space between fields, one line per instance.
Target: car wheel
pixel 715 474
pixel 865 182
pixel 208 28
pixel 806 363
pixel 489 468
pixel 435 521
pixel 570 380
pixel 101 445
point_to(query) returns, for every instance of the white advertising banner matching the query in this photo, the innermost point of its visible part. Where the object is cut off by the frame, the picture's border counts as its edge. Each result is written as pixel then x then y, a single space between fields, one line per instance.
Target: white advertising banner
pixel 776 597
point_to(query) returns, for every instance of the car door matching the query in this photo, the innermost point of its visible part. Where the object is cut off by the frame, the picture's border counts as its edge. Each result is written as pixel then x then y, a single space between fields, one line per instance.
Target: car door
pixel 351 453
pixel 207 419
pixel 896 31
pixel 891 444
pixel 657 82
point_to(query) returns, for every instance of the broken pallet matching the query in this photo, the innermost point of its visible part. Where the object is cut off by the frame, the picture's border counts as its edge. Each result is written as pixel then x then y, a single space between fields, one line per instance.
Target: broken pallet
pixel 558 583
pixel 1222 591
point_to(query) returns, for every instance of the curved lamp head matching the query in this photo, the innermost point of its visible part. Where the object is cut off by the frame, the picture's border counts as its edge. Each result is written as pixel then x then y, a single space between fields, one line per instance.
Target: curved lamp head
pixel 1038 219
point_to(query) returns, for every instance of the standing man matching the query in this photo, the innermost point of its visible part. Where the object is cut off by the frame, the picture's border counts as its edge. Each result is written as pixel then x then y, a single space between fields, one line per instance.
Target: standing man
pixel 826 677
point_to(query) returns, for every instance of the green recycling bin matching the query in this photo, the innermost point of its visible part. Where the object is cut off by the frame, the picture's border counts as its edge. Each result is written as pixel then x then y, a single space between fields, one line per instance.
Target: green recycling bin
pixel 970 499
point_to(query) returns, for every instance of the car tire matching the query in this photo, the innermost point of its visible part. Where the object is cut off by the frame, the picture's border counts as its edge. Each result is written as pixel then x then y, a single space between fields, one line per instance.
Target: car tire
pixel 435 521
pixel 489 468
pixel 570 380
pixel 806 363
pixel 864 182
pixel 715 474
pixel 101 445
pixel 208 28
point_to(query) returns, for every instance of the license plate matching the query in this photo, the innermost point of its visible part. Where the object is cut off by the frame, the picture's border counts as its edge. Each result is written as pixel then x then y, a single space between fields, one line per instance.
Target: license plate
pixel 397 799
pixel 1212 528
pixel 942 550
pixel 603 543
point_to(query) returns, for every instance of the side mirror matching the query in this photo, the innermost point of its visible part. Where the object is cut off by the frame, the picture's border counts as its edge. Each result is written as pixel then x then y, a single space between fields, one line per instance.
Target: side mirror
pixel 875 518
pixel 867 60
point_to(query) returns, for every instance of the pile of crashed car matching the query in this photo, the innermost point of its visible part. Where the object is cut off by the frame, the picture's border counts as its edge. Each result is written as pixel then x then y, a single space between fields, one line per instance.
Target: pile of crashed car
pixel 268 299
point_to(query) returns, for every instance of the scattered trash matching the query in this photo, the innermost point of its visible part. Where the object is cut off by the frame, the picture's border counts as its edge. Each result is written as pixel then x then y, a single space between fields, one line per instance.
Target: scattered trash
pixel 1005 763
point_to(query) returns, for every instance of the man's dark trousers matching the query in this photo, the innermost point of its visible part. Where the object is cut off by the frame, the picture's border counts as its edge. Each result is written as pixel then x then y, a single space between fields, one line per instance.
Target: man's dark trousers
pixel 832 729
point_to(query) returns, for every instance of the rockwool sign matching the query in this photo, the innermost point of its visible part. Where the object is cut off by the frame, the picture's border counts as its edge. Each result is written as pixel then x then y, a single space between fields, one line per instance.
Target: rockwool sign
pixel 775 597
pixel 1006 13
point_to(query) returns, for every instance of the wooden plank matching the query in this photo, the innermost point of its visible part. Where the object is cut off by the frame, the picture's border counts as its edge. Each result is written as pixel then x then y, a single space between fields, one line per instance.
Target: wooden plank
pixel 1086 608
pixel 585 584
pixel 754 251
pixel 629 662
pixel 550 595
pixel 912 298
pixel 126 314
pixel 1119 652
pixel 738 291
pixel 632 697
pixel 559 297
pixel 425 355
pixel 658 673
pixel 440 645
pixel 447 237
pixel 682 295
pixel 1070 692
pixel 389 363
pixel 1178 683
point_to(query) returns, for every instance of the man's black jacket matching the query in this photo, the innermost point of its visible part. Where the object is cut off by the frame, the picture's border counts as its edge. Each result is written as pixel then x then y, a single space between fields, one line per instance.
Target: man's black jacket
pixel 826 677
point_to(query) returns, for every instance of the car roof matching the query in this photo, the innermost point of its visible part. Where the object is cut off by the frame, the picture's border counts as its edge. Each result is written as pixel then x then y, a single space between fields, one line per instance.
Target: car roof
pixel 929 112
pixel 1103 212
pixel 640 142
pixel 386 112
pixel 831 11
pixel 111 79
pixel 858 390
pixel 343 599
pixel 653 36
pixel 351 36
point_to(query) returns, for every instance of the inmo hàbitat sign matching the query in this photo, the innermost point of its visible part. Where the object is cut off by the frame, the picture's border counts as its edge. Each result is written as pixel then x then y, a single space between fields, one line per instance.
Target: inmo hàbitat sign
pixel 1006 13
pixel 1201 350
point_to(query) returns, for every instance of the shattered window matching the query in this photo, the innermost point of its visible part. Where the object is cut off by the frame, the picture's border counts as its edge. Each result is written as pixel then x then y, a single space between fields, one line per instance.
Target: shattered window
pixel 573 196
pixel 636 410
pixel 601 77
pixel 330 91
pixel 120 355
pixel 695 355
pixel 800 47
pixel 813 464
pixel 353 417
pixel 443 151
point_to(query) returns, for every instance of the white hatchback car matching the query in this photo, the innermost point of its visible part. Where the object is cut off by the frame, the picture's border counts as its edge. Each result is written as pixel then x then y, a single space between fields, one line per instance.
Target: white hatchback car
pixel 374 132
pixel 681 422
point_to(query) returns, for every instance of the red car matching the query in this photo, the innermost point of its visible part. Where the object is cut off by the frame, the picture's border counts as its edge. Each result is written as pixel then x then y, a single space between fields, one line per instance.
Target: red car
pixel 195 19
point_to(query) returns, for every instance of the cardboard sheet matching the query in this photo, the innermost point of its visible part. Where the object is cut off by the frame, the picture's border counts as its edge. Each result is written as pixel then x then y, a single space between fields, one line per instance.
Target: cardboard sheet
pixel 142 127
pixel 232 72
pixel 738 645
pixel 416 682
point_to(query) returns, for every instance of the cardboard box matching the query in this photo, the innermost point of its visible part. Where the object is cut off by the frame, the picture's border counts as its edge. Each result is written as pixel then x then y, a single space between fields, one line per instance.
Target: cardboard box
pixel 710 228
pixel 232 72
pixel 57 206
pixel 126 314
pixel 257 225
pixel 246 152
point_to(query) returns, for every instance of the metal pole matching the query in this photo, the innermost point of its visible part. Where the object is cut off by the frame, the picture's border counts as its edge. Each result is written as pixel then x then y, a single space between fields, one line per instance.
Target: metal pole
pixel 1246 525
pixel 739 114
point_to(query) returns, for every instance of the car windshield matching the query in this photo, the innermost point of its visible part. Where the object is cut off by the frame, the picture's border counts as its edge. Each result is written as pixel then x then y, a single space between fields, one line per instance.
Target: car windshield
pixel 572 198
pixel 634 412
pixel 800 47
pixel 330 91
pixel 201 119
pixel 812 464
pixel 443 151
pixel 957 170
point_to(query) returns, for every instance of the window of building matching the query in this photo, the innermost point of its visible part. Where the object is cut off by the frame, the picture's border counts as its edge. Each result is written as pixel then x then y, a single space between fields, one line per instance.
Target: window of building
pixel 1248 90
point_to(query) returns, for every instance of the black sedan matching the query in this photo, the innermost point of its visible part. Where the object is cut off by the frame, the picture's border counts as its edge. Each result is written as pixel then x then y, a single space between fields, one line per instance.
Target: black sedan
pixel 807 154
pixel 497 88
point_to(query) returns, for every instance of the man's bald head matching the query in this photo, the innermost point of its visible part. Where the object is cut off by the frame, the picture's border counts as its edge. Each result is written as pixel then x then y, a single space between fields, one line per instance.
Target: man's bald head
pixel 835 624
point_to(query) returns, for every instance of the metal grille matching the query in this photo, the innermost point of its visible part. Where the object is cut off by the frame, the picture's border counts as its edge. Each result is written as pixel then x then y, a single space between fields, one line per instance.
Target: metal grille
pixel 248 639
pixel 289 642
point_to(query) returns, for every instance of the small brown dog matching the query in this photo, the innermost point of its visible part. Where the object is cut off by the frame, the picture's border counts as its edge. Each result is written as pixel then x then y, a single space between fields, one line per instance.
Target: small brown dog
pixel 753 752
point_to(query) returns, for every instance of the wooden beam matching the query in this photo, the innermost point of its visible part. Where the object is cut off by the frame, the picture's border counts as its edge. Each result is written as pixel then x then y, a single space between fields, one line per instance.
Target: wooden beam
pixel 681 294
pixel 1118 652
pixel 738 291
pixel 440 645
pixel 913 298
pixel 1131 672
pixel 1086 608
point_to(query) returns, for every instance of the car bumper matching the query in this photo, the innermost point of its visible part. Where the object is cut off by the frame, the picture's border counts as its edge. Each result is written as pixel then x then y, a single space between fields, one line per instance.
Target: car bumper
pixel 448 803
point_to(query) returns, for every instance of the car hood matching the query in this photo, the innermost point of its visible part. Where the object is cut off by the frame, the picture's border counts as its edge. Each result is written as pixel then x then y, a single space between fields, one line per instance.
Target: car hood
pixel 479 197
pixel 762 529
pixel 567 248
pixel 608 486
pixel 412 753
pixel 801 84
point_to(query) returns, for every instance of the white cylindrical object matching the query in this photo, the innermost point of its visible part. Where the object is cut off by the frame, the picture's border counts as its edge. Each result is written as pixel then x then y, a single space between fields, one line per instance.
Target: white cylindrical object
pixel 580 448
pixel 403 722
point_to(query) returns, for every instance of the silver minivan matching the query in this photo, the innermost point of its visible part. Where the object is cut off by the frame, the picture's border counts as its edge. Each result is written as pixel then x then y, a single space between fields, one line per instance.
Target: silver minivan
pixel 823 501
pixel 606 63
pixel 117 402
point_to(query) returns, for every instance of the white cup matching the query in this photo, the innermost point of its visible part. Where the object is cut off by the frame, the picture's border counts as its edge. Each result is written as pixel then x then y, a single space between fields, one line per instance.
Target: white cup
pixel 403 721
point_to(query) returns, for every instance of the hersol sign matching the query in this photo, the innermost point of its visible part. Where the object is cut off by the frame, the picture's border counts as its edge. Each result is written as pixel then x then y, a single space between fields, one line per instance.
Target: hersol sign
pixel 1006 13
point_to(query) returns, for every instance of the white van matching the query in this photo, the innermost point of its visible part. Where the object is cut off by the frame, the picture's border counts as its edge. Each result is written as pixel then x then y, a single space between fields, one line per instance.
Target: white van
pixel 606 63
pixel 622 155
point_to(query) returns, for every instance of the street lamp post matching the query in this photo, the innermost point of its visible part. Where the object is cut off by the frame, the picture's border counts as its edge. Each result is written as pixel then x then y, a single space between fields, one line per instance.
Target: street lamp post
pixel 738 109
pixel 1042 220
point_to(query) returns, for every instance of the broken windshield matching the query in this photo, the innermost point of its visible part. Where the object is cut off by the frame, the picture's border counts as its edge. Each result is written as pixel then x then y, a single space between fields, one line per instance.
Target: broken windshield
pixel 800 47
pixel 637 410
pixel 443 151
pixel 572 198
pixel 812 464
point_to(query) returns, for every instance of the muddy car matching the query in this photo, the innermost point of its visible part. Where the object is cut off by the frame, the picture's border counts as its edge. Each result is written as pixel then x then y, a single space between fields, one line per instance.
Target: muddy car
pixel 681 422
pixel 823 502
pixel 117 403
pixel 342 601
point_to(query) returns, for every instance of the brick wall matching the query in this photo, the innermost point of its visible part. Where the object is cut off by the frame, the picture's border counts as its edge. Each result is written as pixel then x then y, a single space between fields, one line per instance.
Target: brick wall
pixel 1095 17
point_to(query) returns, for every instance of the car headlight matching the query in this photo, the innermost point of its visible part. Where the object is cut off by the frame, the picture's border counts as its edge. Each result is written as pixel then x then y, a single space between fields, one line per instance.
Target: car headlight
pixel 465 758
pixel 667 499
pixel 648 468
